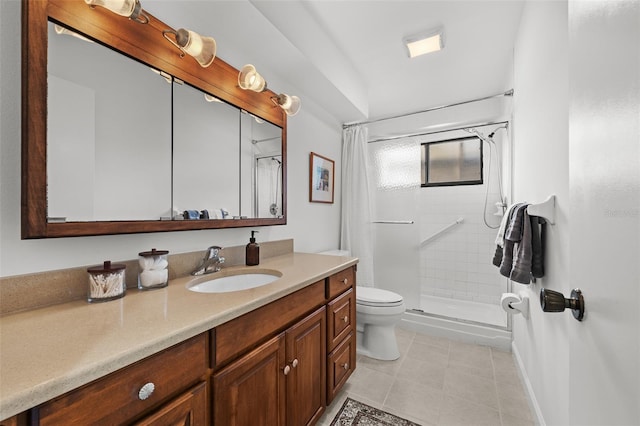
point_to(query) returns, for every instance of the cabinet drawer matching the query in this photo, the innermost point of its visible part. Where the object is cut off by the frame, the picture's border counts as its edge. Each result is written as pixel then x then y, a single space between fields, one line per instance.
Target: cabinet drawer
pixel 189 409
pixel 340 364
pixel 341 318
pixel 341 281
pixel 115 399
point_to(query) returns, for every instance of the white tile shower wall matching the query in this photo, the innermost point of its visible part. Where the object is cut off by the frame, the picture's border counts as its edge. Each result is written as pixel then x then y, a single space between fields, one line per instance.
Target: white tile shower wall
pixel 458 263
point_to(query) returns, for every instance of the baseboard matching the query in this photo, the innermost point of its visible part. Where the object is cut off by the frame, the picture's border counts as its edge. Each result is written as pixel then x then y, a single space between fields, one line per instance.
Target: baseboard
pixel 531 396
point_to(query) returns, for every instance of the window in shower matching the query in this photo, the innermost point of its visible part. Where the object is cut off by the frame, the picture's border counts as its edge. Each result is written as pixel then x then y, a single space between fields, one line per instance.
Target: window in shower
pixel 452 162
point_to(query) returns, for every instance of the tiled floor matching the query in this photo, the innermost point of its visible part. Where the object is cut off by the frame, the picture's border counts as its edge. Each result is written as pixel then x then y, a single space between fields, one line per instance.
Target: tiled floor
pixel 438 381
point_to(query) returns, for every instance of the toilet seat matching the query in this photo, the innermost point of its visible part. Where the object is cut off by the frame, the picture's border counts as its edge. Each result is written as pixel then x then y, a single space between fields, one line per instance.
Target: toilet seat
pixel 377 297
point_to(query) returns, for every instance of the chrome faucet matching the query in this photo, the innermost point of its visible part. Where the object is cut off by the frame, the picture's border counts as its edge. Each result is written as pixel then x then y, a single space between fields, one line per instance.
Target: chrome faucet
pixel 211 261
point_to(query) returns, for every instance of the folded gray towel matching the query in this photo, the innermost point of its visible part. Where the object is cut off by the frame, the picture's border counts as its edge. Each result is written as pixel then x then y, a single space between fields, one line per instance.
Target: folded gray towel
pixel 512 234
pixel 538 237
pixel 522 256
pixel 521 267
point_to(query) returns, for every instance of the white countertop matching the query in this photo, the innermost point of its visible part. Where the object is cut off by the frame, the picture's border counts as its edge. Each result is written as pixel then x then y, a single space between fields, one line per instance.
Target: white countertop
pixel 47 352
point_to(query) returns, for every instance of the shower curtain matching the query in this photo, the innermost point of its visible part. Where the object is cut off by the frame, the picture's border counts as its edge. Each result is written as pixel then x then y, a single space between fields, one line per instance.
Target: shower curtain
pixel 356 233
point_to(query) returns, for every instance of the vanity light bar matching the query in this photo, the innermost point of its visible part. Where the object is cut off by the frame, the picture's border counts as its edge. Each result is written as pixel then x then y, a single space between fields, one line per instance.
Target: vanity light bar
pixel 201 48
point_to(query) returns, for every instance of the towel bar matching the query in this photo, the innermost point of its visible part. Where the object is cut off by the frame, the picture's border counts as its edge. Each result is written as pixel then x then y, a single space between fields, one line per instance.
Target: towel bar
pixel 545 210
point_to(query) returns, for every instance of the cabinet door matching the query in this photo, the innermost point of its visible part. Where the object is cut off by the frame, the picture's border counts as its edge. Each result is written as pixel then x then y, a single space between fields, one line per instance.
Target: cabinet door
pixel 341 363
pixel 251 390
pixel 306 381
pixel 341 318
pixel 190 409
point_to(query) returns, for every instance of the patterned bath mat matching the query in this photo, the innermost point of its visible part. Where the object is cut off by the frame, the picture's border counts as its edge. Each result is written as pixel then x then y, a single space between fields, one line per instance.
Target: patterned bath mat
pixel 354 413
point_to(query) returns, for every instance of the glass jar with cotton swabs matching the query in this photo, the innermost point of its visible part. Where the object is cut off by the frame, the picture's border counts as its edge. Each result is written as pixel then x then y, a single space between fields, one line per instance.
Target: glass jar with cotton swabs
pixel 106 282
pixel 153 269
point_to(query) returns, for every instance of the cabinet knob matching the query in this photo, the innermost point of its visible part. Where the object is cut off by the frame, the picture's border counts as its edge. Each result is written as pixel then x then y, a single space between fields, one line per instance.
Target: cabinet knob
pixel 345 366
pixel 345 281
pixel 286 369
pixel 294 363
pixel 146 391
pixel 345 319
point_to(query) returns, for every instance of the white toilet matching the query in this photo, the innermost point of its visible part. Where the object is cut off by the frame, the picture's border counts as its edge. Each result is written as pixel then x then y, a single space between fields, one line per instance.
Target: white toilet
pixel 377 312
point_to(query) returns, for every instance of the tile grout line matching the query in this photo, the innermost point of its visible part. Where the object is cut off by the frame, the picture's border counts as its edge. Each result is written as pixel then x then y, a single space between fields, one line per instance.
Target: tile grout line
pixel 495 386
pixel 395 373
pixel 444 392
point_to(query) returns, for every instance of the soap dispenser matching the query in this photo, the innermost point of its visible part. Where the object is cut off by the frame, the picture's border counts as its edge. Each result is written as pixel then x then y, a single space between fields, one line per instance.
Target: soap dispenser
pixel 252 251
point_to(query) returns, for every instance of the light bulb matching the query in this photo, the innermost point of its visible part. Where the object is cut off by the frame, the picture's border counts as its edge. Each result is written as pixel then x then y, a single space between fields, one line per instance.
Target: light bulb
pixel 128 8
pixel 290 104
pixel 203 49
pixel 249 79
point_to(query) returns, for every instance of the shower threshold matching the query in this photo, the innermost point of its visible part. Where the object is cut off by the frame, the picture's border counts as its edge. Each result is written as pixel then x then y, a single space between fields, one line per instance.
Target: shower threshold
pixel 453 327
pixel 464 310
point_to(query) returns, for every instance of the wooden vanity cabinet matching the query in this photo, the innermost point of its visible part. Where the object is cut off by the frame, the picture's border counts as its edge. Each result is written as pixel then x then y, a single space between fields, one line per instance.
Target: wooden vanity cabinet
pixel 281 382
pixel 18 420
pixel 341 336
pixel 277 365
pixel 168 388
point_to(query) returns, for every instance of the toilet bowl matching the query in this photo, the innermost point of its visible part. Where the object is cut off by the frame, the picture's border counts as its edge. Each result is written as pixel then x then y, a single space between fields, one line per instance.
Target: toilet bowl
pixel 377 312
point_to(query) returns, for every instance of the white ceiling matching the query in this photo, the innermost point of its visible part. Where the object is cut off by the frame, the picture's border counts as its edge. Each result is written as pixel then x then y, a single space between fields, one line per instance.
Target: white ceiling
pixel 347 56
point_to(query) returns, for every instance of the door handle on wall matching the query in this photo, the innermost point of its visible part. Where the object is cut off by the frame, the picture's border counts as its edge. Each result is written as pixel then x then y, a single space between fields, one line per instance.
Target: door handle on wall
pixel 553 301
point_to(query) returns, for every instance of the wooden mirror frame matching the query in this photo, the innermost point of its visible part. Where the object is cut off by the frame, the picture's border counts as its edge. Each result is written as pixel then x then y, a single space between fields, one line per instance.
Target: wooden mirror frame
pixel 145 43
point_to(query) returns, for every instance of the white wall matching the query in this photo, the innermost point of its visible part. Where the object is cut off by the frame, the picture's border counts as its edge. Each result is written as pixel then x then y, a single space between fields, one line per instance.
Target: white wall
pixel 314 227
pixel 541 168
pixel 576 126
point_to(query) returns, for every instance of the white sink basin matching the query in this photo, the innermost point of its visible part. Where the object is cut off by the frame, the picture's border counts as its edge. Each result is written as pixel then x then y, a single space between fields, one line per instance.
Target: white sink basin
pixel 233 281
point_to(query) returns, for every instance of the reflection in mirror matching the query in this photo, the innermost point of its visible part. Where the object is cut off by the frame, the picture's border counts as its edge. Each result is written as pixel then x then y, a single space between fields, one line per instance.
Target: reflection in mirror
pixel 262 155
pixel 108 134
pixel 206 154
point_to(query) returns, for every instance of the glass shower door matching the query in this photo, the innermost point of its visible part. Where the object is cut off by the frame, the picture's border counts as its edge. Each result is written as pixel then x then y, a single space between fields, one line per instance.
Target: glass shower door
pixel 396 176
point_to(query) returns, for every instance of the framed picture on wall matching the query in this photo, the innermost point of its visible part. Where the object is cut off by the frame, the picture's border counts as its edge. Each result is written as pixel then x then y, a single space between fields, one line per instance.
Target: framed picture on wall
pixel 321 179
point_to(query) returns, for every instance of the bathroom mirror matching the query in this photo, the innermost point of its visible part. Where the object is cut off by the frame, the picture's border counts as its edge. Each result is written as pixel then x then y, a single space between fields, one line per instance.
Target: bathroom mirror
pixel 261 152
pixel 106 159
pixel 125 178
pixel 206 154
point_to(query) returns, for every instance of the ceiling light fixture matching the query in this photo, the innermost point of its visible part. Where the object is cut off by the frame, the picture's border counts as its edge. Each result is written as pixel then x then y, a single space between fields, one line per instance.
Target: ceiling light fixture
pixel 249 79
pixel 290 104
pixel 202 48
pixel 131 9
pixel 425 42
